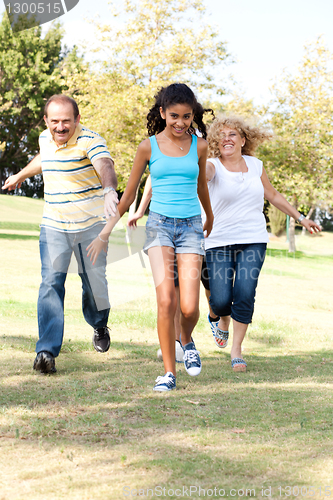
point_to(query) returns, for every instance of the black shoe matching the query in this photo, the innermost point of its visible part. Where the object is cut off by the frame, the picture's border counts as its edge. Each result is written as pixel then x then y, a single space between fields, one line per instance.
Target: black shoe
pixel 44 362
pixel 101 339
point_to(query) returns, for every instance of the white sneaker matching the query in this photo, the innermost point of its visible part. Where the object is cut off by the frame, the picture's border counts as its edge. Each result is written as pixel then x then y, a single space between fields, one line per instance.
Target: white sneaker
pixel 165 383
pixel 213 324
pixel 179 353
pixel 192 361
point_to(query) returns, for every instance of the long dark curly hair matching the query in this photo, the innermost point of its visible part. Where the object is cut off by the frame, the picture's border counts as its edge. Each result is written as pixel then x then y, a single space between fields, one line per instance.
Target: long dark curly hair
pixel 176 93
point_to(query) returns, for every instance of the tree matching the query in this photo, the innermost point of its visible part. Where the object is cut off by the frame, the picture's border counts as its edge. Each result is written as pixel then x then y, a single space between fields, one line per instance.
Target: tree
pixel 111 105
pixel 299 159
pixel 163 42
pixel 156 44
pixel 30 72
pixel 240 106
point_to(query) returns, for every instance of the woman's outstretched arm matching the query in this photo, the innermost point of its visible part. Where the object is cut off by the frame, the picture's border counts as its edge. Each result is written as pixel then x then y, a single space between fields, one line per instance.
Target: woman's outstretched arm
pixel 279 201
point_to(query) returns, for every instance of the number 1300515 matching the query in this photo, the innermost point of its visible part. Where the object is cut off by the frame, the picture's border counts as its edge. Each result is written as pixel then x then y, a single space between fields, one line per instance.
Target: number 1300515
pixel 34 8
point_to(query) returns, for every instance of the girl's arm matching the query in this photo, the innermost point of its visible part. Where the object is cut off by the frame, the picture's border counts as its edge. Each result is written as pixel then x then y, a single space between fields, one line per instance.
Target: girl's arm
pixel 203 193
pixel 276 199
pixel 145 200
pixel 139 165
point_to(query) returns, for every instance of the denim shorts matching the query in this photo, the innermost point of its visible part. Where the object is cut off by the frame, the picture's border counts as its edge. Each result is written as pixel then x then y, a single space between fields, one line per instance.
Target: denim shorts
pixel 183 235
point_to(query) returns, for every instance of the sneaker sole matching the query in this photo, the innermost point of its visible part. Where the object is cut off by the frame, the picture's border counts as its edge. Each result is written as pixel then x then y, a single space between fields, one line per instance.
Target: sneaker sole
pixel 163 389
pixel 194 371
pixel 98 349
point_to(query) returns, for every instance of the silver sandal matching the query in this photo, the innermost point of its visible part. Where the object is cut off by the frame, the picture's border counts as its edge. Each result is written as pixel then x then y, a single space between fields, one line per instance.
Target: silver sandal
pixel 221 335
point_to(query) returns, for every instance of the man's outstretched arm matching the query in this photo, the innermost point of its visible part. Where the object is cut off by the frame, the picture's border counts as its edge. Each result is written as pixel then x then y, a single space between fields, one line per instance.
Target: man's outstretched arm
pixel 105 169
pixel 33 168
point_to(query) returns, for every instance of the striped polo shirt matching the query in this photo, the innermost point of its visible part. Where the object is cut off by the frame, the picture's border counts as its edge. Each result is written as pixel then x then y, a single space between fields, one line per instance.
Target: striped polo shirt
pixel 72 188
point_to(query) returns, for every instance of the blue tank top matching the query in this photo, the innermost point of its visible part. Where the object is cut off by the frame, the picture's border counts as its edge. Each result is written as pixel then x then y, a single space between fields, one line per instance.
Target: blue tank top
pixel 174 182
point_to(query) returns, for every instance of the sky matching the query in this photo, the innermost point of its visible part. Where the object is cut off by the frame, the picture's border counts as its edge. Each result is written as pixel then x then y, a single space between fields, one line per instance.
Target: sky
pixel 263 36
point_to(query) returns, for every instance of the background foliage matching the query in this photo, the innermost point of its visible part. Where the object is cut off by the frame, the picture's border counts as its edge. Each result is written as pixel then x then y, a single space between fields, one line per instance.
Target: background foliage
pixel 30 72
pixel 149 45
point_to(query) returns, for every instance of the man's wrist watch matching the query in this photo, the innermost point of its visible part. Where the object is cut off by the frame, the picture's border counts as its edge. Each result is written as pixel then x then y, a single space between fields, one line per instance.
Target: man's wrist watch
pixel 108 189
pixel 300 218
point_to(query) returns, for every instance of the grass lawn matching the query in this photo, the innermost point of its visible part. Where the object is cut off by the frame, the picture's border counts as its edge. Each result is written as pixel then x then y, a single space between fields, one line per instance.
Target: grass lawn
pixel 96 430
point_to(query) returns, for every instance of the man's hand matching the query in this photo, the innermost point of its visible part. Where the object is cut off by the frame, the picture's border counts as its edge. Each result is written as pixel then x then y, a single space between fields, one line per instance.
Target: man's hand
pixel 110 204
pixel 33 168
pixel 12 183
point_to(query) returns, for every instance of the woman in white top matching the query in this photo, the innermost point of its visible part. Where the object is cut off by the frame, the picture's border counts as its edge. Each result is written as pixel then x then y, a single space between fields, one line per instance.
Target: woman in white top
pixel 236 247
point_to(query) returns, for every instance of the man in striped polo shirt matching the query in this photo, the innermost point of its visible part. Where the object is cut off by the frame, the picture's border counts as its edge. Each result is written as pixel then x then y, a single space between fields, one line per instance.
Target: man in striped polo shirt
pixel 80 193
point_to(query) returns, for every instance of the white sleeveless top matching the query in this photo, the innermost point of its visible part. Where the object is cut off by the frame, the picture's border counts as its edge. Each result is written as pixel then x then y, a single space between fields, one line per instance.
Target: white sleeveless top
pixel 237 200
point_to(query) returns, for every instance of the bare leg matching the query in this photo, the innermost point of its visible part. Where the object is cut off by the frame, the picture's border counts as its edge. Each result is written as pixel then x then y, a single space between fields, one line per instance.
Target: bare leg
pixel 239 331
pixel 189 268
pixel 177 316
pixel 224 323
pixel 162 262
pixel 211 312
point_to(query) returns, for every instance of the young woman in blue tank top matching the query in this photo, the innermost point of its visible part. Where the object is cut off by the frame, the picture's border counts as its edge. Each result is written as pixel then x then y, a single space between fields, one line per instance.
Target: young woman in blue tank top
pixel 177 163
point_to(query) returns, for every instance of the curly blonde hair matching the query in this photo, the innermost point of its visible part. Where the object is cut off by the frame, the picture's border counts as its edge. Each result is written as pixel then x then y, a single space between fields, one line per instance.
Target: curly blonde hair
pixel 254 136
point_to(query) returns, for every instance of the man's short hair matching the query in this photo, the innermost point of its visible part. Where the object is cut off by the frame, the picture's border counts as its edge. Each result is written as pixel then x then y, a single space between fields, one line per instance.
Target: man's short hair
pixel 63 99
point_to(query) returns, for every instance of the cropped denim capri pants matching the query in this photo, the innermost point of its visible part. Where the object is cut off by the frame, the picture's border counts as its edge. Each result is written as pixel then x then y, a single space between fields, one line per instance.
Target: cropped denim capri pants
pixel 233 272
pixel 183 235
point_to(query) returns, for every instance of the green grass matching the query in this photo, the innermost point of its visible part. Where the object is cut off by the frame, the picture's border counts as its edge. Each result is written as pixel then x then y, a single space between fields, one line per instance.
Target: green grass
pixel 19 226
pixel 96 430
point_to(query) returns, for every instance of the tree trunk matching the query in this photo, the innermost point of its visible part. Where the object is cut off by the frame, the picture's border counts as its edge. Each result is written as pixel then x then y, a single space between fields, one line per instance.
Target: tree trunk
pixel 307 217
pixel 292 243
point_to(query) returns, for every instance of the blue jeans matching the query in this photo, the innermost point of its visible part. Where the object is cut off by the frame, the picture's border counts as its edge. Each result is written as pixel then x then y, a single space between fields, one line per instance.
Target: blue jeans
pixel 56 249
pixel 233 272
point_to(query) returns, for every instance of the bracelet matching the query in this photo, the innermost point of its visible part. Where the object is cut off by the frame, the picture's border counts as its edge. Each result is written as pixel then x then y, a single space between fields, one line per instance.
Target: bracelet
pixel 108 189
pixel 104 241
pixel 300 218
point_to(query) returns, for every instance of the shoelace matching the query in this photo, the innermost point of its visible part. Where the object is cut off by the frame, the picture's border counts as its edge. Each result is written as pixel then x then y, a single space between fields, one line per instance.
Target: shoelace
pixel 165 379
pixel 191 356
pixel 102 333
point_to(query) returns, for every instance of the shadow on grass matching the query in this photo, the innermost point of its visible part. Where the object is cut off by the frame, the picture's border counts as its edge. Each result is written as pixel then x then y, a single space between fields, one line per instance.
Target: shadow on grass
pixel 282 401
pixel 139 362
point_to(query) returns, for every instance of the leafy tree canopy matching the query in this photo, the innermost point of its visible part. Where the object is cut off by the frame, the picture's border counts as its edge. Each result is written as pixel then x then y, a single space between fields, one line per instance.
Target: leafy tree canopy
pixel 150 44
pixel 164 42
pixel 30 72
pixel 299 159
